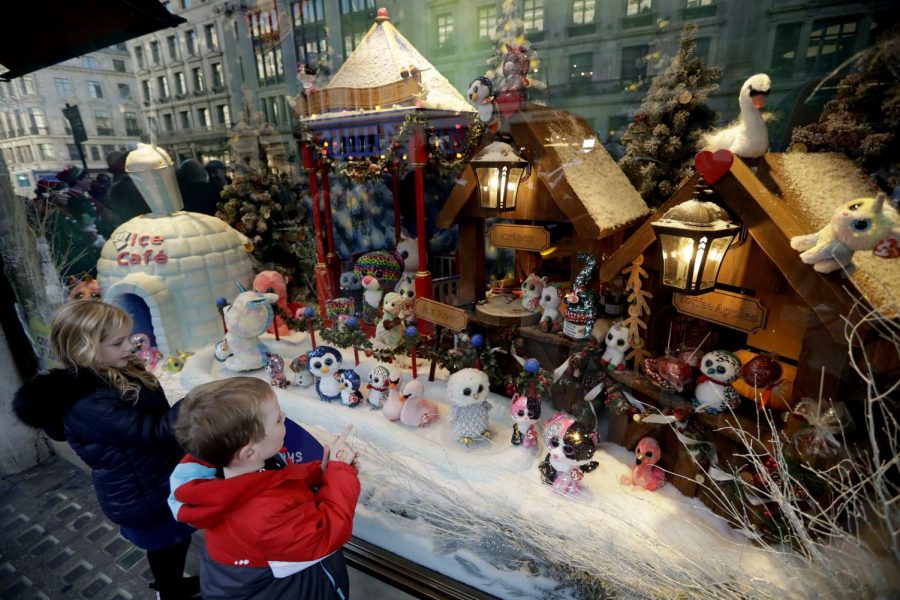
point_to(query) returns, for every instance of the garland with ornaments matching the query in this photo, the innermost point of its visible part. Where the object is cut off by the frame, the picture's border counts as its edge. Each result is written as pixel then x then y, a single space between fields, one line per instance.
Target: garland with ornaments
pixel 364 170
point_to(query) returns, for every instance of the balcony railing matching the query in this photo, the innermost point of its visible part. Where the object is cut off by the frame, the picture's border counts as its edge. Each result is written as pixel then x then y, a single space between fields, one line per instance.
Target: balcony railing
pixel 644 19
pixel 133 132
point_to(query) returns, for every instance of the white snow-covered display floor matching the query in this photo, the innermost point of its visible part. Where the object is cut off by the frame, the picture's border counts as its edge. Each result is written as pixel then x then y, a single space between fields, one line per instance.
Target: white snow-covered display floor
pixel 481 514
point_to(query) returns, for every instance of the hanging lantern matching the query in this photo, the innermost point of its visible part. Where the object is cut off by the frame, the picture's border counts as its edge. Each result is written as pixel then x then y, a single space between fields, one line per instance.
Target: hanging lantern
pixel 498 171
pixel 694 237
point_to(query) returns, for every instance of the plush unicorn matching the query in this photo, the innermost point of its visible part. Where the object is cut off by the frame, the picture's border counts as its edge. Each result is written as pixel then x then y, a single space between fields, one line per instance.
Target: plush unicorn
pixel 551 318
pixel 247 318
pixel 617 346
pixel 531 292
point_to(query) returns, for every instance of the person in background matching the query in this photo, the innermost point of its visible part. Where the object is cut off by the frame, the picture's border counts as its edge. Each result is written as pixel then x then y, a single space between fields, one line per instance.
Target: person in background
pixel 198 194
pixel 115 416
pixel 217 176
pixel 125 200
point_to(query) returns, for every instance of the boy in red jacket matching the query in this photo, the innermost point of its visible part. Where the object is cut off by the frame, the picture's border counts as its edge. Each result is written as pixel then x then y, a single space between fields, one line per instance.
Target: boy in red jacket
pixel 273 530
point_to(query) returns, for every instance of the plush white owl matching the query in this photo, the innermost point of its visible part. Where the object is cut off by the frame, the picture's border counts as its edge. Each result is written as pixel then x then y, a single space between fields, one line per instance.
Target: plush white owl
pixel 617 346
pixel 714 392
pixel 467 391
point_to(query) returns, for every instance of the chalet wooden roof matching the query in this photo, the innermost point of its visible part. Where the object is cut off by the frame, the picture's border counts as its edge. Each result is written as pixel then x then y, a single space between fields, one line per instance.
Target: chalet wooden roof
pixel 792 195
pixel 574 179
pixel 384 71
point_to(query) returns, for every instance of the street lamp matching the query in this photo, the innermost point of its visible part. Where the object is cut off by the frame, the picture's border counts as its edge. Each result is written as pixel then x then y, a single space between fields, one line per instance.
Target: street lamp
pixel 694 237
pixel 499 169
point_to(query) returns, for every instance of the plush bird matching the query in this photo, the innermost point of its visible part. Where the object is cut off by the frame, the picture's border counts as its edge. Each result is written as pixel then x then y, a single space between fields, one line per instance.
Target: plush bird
pixel 748 136
pixel 466 391
pixel 645 473
pixel 378 387
pixel 393 404
pixel 417 411
pixel 324 362
pixel 350 394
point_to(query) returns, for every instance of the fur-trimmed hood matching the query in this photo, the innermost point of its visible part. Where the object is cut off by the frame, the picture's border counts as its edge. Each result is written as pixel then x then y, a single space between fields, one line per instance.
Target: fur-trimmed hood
pixel 42 402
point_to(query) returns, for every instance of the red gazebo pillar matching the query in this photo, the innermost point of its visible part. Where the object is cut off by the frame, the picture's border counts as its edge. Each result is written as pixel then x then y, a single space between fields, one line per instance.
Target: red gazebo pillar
pixel 395 169
pixel 418 158
pixel 324 289
pixel 332 260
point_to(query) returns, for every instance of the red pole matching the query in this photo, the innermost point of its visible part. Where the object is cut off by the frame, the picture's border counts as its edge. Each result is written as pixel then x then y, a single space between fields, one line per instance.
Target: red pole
pixel 275 326
pixel 331 260
pixel 396 190
pixel 312 335
pixel 323 285
pixel 418 158
pixel 356 355
pixel 413 354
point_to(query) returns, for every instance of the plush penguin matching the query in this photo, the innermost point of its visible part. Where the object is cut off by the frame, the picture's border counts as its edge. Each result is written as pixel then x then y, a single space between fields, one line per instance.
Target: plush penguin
pixel 714 392
pixel 466 391
pixel 324 362
pixel 481 95
pixel 570 448
pixel 378 387
pixel 350 394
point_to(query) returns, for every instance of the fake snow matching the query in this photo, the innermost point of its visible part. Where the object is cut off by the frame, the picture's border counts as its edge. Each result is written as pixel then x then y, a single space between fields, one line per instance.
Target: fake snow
pixel 599 183
pixel 424 495
pixel 818 184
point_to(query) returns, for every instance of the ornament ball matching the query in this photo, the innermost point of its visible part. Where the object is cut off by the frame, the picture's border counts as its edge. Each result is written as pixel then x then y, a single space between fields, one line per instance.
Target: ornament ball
pixel 478 340
pixel 412 331
pixel 308 312
pixel 221 302
pixel 532 366
pixel 353 322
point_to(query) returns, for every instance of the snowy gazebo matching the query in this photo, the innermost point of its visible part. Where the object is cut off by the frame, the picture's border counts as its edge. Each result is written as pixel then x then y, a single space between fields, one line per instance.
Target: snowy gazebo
pixel 357 117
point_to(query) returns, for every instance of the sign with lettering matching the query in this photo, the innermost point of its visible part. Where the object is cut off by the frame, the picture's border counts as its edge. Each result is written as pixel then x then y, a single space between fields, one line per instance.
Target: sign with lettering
pixel 519 237
pixel 137 249
pixel 441 314
pixel 743 313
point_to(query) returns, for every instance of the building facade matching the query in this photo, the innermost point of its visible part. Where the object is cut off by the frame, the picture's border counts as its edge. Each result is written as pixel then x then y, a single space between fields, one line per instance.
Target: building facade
pixel 36 138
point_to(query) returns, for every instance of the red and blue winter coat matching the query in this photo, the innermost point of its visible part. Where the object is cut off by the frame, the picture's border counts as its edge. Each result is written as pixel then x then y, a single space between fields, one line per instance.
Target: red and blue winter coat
pixel 264 528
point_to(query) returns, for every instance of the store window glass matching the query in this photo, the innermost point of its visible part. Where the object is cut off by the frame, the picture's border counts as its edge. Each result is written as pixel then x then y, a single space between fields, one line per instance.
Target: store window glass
pixel 634 64
pixel 831 42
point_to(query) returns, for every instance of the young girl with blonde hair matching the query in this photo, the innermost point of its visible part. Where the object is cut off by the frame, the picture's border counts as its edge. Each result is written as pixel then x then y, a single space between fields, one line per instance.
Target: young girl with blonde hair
pixel 115 416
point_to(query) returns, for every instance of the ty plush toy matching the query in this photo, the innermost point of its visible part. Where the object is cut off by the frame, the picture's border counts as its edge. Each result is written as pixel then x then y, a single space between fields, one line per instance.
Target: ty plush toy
pixel 351 287
pixel 389 331
pixel 861 224
pixel 645 473
pixel 525 412
pixel 378 387
pixel 275 369
pixel 617 346
pixel 247 318
pixel 393 404
pixel 714 392
pixel 531 292
pixel 551 318
pixel 350 394
pixel 570 448
pixel 302 377
pixel 324 362
pixel 272 282
pixel 417 411
pixel 147 354
pixel 86 288
pixel 467 390
pixel 481 95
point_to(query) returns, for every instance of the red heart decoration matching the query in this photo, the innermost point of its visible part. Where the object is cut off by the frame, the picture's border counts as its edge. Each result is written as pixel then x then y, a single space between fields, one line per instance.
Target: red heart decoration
pixel 888 248
pixel 712 165
pixel 508 102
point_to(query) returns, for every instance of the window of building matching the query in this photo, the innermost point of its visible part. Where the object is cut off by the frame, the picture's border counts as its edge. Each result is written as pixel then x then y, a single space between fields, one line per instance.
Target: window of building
pixel 89 62
pixel 185 4
pixel 444 30
pixel 185 119
pixel 38 121
pixel 831 43
pixel 163 86
pixel 104 122
pixel 124 91
pixel 269 65
pixel 583 11
pixel 28 84
pixel 203 117
pixel 352 6
pixel 168 122
pixel 703 46
pixel 154 53
pixel 784 52
pixel 218 77
pixel 23 180
pixel 637 7
pixel 352 40
pixel 46 151
pixel 118 65
pixel 533 15
pixel 145 89
pixel 73 152
pixel 223 114
pixel 634 63
pixel 581 67
pixel 307 11
pixel 94 89
pixel 212 37
pixel 487 21
pixel 698 3
pixel 63 86
pixel 197 74
pixel 190 42
pixel 172 43
pixel 153 124
pixel 132 129
pixel 180 86
pixel 95 152
pixel 139 57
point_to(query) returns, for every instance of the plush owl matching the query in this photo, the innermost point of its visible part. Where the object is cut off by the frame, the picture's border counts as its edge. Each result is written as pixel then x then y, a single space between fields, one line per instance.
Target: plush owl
pixel 714 392
pixel 467 390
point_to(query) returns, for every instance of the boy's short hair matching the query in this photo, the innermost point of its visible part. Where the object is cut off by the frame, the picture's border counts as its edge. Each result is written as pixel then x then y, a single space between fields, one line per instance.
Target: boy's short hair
pixel 219 418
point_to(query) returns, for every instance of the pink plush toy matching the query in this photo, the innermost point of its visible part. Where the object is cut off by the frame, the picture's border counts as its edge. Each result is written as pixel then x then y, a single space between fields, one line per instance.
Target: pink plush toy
pixel 275 369
pixel 417 411
pixel 645 473
pixel 525 412
pixel 147 354
pixel 272 282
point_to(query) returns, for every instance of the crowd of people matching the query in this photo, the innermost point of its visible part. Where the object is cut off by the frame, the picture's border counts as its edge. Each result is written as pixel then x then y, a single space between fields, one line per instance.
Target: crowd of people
pixel 76 212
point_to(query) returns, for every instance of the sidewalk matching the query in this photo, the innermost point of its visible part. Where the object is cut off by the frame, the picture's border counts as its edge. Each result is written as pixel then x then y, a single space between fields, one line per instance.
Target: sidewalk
pixel 56 544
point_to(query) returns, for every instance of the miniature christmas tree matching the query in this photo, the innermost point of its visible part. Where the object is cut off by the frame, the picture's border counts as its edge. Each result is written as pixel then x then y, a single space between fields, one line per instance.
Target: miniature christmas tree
pixel 864 118
pixel 661 141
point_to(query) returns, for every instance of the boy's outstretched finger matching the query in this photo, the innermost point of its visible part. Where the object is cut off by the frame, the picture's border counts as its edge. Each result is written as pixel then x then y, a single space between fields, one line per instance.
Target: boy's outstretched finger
pixel 343 436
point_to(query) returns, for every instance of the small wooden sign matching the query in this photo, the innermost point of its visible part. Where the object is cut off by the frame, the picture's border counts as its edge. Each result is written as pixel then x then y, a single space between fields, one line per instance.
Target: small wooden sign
pixel 519 237
pixel 743 313
pixel 441 314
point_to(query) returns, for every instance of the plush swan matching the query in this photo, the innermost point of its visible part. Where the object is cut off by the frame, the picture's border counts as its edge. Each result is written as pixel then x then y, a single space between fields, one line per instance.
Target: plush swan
pixel 748 137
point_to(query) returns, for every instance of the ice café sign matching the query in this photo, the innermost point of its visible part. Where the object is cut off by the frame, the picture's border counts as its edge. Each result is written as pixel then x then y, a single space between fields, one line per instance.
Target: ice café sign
pixel 519 237
pixel 441 314
pixel 726 308
pixel 139 249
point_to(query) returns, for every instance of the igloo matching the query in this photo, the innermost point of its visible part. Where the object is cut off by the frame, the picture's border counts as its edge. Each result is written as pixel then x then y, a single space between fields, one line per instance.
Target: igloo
pixel 167 268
